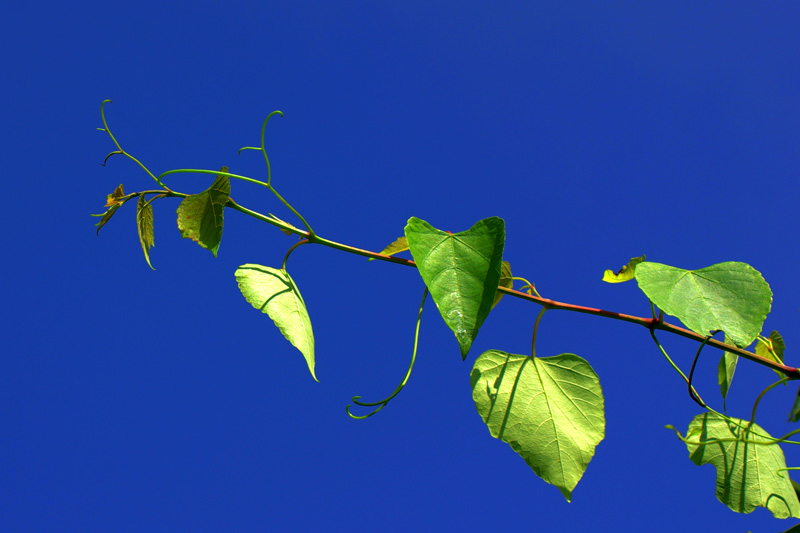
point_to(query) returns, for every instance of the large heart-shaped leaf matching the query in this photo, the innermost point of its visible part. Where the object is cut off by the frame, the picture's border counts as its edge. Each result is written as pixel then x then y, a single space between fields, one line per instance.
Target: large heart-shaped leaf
pixel 200 215
pixel 748 464
pixel 732 297
pixel 550 410
pixel 461 270
pixel 274 292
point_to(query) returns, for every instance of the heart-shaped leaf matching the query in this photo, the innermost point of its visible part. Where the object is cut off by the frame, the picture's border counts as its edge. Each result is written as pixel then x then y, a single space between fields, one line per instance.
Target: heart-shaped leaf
pixel 274 292
pixel 732 297
pixel 748 464
pixel 200 215
pixel 461 270
pixel 549 410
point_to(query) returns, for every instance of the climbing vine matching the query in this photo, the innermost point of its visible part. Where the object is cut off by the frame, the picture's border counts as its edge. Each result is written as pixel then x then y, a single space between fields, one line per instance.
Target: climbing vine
pixel 550 410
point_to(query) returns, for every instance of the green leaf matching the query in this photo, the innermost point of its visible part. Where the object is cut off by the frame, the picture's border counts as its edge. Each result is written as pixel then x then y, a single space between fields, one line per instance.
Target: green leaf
pixel 112 203
pixel 725 371
pixel 200 215
pixel 794 414
pixel 274 292
pixel 772 348
pixel 505 281
pixel 732 297
pixel 623 274
pixel 462 271
pixel 549 410
pixel 400 245
pixel 748 464
pixel 144 223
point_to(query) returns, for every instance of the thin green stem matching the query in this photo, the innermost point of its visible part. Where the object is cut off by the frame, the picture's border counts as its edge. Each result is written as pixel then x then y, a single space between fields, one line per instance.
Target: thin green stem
pixel 694 364
pixel 766 390
pixel 382 403
pixel 292 249
pixel 696 397
pixel 535 331
pixel 528 284
pixel 121 151
pixel 215 172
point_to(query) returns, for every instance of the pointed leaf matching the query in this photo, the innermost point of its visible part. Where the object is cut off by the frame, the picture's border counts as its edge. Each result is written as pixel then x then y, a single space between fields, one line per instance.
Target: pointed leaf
pixel 772 348
pixel 400 245
pixel 725 371
pixel 625 273
pixel 748 467
pixel 274 292
pixel 794 414
pixel 549 410
pixel 200 215
pixel 505 281
pixel 732 297
pixel 462 271
pixel 113 203
pixel 144 223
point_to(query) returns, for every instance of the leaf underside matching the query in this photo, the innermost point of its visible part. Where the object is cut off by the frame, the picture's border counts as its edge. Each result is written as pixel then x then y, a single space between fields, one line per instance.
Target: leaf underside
pixel 144 224
pixel 732 297
pixel 549 410
pixel 112 203
pixel 274 292
pixel 748 473
pixel 461 270
pixel 399 245
pixel 505 281
pixel 200 216
pixel 772 348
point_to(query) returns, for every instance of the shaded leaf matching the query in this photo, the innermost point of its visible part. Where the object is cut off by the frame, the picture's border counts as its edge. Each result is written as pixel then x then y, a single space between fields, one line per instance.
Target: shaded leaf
pixel 400 245
pixel 461 270
pixel 725 371
pixel 113 201
pixel 748 464
pixel 794 414
pixel 505 281
pixel 625 273
pixel 732 297
pixel 200 215
pixel 144 223
pixel 549 410
pixel 772 348
pixel 274 292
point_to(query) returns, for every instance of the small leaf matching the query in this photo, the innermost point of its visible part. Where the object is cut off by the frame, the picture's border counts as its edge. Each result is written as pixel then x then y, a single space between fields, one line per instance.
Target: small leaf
pixel 274 292
pixel 144 223
pixel 462 271
pixel 200 216
pixel 725 371
pixel 748 464
pixel 284 231
pixel 549 410
pixel 505 281
pixel 623 274
pixel 794 414
pixel 732 297
pixel 400 245
pixel 112 202
pixel 772 348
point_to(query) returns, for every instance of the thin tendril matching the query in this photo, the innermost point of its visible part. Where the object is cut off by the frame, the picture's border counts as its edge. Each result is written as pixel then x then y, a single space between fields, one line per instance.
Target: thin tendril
pixel 382 403
pixel 531 288
pixel 535 330
pixel 694 364
pixel 677 369
pixel 758 400
pixel 121 151
pixel 292 249
pixel 216 172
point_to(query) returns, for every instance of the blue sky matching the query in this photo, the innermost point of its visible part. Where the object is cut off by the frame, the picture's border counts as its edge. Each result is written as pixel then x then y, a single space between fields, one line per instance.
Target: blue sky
pixel 137 400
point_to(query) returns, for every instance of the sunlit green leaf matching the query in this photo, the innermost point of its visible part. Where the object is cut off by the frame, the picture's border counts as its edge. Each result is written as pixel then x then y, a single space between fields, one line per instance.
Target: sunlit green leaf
pixel 625 273
pixel 144 223
pixel 732 297
pixel 748 464
pixel 200 215
pixel 725 371
pixel 461 270
pixel 505 281
pixel 274 292
pixel 549 410
pixel 772 348
pixel 400 245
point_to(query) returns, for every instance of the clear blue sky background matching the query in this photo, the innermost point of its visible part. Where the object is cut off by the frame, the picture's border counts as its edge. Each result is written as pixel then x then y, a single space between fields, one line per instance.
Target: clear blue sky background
pixel 133 400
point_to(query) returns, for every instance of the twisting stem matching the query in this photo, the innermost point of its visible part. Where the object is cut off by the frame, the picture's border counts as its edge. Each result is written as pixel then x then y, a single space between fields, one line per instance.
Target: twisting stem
pixel 382 403
pixel 292 249
pixel 536 330
pixel 692 391
pixel 691 372
pixel 763 392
